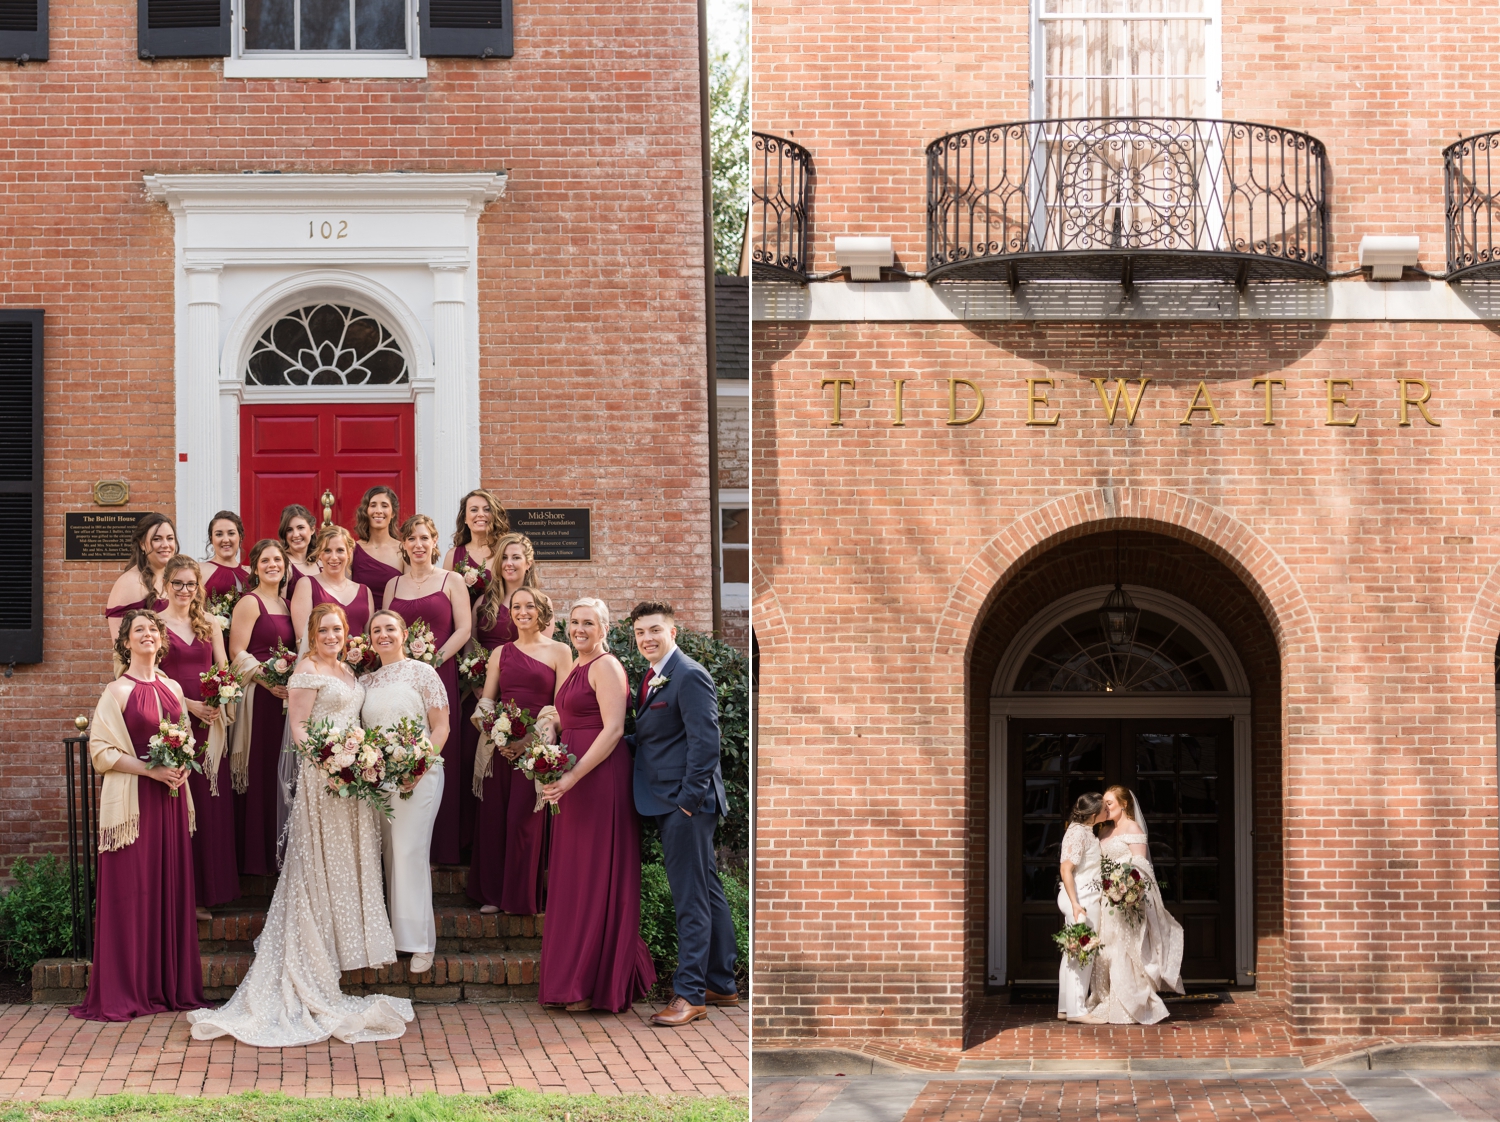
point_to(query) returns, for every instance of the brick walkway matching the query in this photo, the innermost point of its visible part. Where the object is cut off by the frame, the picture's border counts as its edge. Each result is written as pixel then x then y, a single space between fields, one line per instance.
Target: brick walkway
pixel 1320 1099
pixel 451 1049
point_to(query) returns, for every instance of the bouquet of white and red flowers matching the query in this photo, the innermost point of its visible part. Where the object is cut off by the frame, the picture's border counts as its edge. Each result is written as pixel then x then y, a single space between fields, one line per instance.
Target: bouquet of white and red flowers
pixel 174 746
pixel 544 763
pixel 1080 942
pixel 277 669
pixel 221 686
pixel 472 669
pixel 1124 889
pixel 409 754
pixel 477 577
pixel 505 724
pixel 360 657
pixel 220 607
pixel 350 761
pixel 420 644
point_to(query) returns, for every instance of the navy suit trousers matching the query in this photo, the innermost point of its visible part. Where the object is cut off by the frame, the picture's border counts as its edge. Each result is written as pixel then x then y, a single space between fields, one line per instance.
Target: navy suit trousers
pixel 705 929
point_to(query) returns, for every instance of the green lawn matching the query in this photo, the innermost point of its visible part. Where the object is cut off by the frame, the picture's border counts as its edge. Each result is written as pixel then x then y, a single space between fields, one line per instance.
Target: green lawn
pixel 506 1106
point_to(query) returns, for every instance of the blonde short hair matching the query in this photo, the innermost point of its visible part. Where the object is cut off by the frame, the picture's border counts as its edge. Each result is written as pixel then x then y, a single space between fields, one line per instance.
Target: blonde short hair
pixel 599 608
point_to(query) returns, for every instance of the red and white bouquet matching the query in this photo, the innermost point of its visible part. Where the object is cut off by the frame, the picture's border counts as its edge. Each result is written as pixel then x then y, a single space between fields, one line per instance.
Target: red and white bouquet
pixel 277 669
pixel 350 761
pixel 505 724
pixel 477 577
pixel 472 669
pixel 420 644
pixel 1124 889
pixel 544 763
pixel 174 746
pixel 220 607
pixel 221 686
pixel 409 754
pixel 360 657
pixel 1080 942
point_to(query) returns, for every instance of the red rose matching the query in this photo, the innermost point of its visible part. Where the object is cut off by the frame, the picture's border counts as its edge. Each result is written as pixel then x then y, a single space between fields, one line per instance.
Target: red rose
pixel 1134 875
pixel 1083 940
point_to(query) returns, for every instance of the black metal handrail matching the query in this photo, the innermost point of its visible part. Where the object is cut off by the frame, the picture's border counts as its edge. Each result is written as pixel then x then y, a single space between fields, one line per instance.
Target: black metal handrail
pixel 83 841
pixel 1127 199
pixel 778 190
pixel 1471 182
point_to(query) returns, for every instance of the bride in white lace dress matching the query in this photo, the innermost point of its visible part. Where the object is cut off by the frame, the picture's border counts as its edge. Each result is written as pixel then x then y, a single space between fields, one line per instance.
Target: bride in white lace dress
pixel 328 914
pixel 1139 958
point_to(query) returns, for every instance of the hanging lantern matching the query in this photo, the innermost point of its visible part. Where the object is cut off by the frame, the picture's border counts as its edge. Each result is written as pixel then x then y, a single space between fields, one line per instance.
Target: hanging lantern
pixel 1118 617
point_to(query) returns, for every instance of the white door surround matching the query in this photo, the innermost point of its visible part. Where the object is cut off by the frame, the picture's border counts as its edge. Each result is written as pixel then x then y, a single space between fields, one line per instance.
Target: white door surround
pixel 252 247
pixel 1233 702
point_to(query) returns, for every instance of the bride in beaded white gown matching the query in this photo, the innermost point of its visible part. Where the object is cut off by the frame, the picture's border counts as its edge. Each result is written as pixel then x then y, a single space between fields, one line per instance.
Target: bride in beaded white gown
pixel 328 915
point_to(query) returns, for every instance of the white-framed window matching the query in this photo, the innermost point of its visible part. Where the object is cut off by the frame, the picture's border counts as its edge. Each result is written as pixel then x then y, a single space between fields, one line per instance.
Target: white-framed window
pixel 325 39
pixel 734 550
pixel 1125 58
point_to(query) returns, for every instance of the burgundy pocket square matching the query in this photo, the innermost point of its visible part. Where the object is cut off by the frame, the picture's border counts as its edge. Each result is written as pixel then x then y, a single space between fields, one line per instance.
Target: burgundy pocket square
pixel 660 705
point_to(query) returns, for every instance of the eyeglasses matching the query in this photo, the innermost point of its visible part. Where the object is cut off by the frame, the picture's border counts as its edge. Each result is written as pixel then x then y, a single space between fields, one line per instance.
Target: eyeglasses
pixel 184 585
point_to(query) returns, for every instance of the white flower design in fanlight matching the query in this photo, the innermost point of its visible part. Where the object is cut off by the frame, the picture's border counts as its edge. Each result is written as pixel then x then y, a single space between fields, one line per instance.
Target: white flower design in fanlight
pixel 326 345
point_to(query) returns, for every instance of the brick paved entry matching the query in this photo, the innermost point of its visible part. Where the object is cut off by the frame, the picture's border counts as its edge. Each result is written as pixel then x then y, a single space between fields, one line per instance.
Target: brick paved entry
pixel 1312 1099
pixel 451 1049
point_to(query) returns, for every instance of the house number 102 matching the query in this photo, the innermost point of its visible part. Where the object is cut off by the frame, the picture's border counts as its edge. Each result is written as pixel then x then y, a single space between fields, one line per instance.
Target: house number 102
pixel 326 230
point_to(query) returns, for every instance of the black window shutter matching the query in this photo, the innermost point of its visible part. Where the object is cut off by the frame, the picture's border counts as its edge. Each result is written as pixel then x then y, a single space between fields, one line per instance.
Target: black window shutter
pixel 21 485
pixel 466 29
pixel 182 28
pixel 23 30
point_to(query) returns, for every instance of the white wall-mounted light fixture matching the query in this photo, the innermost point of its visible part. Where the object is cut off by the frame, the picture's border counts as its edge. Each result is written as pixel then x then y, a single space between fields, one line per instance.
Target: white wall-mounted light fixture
pixel 1386 256
pixel 864 257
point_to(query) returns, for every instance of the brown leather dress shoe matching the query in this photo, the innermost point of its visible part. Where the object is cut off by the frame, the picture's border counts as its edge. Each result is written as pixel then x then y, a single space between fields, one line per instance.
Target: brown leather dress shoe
pixel 711 998
pixel 679 1013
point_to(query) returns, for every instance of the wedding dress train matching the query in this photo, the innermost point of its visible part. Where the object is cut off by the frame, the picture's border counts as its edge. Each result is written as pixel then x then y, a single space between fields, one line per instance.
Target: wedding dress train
pixel 1137 959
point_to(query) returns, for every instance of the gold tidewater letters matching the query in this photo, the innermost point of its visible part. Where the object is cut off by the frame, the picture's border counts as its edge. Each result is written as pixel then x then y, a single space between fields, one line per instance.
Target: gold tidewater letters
pixel 1268 383
pixel 898 419
pixel 1207 407
pixel 953 384
pixel 1407 401
pixel 838 385
pixel 1033 399
pixel 1111 405
pixel 1339 399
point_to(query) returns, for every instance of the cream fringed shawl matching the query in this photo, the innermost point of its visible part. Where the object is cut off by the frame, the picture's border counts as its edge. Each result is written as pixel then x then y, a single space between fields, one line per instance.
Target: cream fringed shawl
pixel 484 755
pixel 245 665
pixel 119 794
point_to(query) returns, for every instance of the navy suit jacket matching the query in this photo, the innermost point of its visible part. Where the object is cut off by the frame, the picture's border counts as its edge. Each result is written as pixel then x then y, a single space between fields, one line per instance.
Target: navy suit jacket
pixel 677 742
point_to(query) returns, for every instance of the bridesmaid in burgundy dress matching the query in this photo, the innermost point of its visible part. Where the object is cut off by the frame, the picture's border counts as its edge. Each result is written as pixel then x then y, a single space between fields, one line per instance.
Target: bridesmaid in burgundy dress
pixel 146 937
pixel 153 544
pixel 296 533
pixel 593 955
pixel 377 554
pixel 505 870
pixel 333 547
pixel 439 598
pixel 222 572
pixel 261 619
pixel 195 645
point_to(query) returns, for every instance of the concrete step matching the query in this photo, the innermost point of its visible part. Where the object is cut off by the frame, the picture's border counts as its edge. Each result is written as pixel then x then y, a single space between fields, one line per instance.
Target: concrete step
pixel 454 976
pixel 234 928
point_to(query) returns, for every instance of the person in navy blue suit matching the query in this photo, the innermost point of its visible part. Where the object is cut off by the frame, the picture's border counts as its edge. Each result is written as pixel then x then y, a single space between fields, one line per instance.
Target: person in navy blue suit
pixel 678 782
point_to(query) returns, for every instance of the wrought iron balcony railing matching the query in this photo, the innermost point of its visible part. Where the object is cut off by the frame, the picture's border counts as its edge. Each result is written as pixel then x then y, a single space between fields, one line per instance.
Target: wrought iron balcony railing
pixel 1127 199
pixel 1471 181
pixel 778 189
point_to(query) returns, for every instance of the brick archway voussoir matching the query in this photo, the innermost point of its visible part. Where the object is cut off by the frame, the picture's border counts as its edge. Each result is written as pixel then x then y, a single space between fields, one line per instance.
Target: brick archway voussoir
pixel 767 619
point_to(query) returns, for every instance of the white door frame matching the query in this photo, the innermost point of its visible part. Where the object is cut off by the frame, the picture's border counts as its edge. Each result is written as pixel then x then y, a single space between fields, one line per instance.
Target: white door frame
pixel 1233 703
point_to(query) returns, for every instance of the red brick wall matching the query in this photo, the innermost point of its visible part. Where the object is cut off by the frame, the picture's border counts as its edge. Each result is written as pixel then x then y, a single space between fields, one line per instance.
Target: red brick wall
pixel 1370 553
pixel 590 273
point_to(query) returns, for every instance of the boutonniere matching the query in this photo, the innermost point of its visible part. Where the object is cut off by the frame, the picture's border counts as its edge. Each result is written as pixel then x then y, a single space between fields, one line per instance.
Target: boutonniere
pixel 657 683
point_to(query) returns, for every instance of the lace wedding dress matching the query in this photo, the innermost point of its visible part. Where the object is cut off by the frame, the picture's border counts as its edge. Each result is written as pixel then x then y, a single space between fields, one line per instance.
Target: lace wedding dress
pixel 1137 959
pixel 327 915
pixel 1081 847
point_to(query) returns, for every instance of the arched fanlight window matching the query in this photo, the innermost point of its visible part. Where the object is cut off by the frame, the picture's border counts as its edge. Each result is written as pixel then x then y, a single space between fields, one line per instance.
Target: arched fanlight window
pixel 1159 656
pixel 326 345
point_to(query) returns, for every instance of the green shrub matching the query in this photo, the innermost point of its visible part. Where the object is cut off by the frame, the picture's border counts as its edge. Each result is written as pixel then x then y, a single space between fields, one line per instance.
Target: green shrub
pixel 659 919
pixel 36 915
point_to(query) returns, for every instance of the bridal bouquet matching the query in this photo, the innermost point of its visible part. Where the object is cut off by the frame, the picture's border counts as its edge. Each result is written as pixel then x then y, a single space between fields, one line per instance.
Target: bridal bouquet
pixel 505 724
pixel 544 763
pixel 1124 888
pixel 221 686
pixel 477 577
pixel 360 657
pixel 409 754
pixel 174 746
pixel 472 669
pixel 350 761
pixel 1080 942
pixel 220 607
pixel 277 670
pixel 420 644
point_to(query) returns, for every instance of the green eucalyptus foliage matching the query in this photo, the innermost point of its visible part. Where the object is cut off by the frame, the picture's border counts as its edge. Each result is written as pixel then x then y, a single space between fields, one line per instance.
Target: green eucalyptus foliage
pixel 36 915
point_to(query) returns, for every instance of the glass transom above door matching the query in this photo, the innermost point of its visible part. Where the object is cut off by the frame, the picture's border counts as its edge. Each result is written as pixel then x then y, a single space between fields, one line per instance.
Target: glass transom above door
pixel 1162 656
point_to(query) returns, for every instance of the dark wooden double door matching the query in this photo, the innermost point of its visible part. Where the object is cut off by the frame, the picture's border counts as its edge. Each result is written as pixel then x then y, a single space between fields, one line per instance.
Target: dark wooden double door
pixel 1181 770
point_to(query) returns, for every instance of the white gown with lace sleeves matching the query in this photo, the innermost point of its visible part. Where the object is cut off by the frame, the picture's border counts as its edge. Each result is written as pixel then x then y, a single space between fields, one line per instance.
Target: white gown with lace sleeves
pixel 327 915
pixel 1137 959
pixel 1082 848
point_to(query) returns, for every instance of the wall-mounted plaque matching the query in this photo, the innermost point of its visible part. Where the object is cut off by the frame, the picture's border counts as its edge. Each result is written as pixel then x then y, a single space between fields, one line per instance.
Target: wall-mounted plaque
pixel 91 535
pixel 557 533
pixel 111 492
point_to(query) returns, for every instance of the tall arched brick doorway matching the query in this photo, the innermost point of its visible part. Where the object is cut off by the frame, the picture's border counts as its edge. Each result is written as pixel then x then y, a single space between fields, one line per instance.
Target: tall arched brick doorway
pixel 1192 719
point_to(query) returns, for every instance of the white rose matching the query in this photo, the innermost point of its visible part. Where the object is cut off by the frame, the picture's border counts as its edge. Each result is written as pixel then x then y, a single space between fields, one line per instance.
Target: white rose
pixel 470 578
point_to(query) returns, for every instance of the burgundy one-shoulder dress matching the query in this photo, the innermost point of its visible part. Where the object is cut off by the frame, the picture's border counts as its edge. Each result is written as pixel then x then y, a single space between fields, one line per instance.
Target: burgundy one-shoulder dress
pixel 491 638
pixel 216 873
pixel 437 610
pixel 146 932
pixel 592 946
pixel 357 610
pixel 371 572
pixel 505 868
pixel 226 578
pixel 255 809
pixel 119 613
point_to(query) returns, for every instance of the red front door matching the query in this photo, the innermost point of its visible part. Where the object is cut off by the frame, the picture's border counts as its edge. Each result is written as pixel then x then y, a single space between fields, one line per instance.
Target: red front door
pixel 293 453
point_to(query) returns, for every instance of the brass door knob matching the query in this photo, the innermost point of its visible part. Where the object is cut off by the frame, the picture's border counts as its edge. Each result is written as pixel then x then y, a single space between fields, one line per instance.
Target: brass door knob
pixel 328 500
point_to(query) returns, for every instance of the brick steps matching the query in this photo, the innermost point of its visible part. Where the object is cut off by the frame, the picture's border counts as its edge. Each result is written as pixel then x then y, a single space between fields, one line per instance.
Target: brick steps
pixel 459 929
